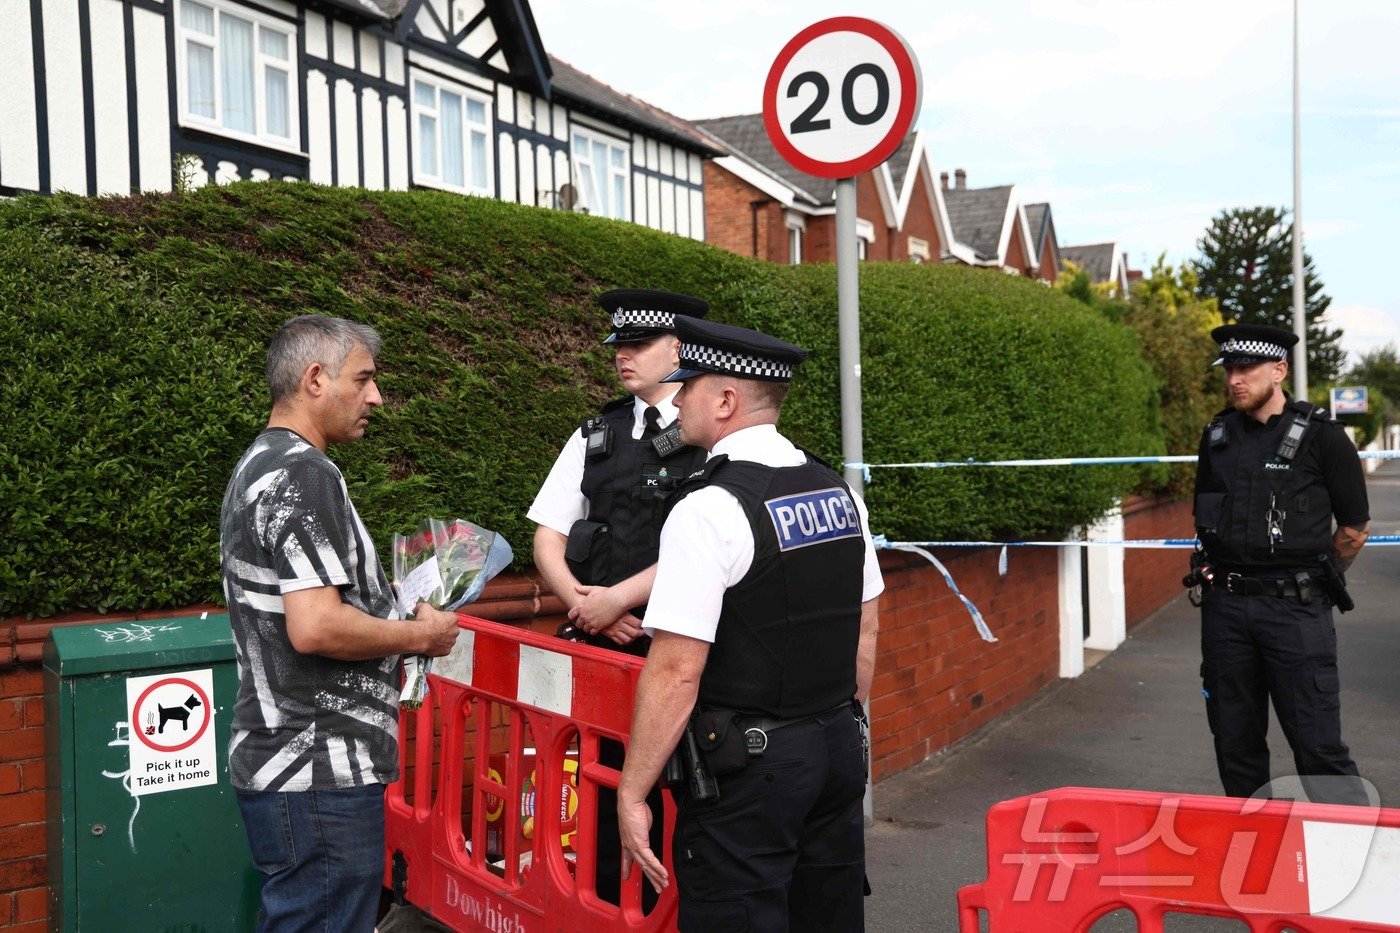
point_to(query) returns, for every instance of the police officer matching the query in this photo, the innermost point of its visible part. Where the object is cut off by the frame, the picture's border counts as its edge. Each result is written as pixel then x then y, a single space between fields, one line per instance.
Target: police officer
pixel 1272 475
pixel 763 619
pixel 599 511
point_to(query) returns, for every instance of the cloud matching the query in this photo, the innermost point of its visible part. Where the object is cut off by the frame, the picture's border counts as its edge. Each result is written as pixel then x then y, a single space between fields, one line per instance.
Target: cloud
pixel 1316 231
pixel 1364 328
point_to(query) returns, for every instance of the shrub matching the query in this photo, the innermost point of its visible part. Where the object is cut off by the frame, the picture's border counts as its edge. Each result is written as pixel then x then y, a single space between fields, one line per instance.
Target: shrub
pixel 133 333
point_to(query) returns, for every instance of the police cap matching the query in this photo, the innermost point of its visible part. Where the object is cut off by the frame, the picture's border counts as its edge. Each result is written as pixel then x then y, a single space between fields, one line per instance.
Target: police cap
pixel 1242 344
pixel 711 347
pixel 644 313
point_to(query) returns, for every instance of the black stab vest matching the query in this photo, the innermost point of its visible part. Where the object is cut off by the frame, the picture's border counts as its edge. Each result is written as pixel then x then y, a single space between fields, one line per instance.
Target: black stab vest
pixel 1246 473
pixel 788 631
pixel 627 490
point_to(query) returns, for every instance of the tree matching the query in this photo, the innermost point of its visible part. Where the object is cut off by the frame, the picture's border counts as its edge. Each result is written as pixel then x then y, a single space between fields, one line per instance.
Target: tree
pixel 1378 370
pixel 1173 327
pixel 1246 264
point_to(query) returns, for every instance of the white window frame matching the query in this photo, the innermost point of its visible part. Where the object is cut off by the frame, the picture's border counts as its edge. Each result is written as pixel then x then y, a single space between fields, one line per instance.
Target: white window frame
pixel 797 235
pixel 583 164
pixel 865 238
pixel 261 63
pixel 918 250
pixel 486 128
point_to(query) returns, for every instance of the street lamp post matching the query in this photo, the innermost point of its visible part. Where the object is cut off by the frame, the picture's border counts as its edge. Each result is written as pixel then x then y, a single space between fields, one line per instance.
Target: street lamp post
pixel 1300 315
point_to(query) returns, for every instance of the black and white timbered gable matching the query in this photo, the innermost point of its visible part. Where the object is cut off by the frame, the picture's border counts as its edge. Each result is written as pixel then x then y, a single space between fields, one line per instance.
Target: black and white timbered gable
pixel 120 96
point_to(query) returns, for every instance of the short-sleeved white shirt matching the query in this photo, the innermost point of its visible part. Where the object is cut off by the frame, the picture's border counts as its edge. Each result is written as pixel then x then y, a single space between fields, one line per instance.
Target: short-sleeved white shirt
pixel 560 501
pixel 707 544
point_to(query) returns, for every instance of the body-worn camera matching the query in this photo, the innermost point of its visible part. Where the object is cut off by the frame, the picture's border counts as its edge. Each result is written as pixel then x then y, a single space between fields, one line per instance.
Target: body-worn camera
pixel 597 439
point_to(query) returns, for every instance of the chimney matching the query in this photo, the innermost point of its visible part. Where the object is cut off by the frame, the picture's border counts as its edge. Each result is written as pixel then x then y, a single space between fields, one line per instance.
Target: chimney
pixel 943 177
pixel 960 178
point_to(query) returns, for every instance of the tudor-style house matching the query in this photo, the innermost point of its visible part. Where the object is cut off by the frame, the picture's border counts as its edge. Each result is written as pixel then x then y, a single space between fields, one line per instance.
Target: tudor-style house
pixel 119 96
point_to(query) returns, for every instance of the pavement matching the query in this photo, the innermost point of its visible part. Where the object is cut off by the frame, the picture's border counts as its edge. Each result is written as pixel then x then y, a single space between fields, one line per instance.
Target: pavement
pixel 1137 721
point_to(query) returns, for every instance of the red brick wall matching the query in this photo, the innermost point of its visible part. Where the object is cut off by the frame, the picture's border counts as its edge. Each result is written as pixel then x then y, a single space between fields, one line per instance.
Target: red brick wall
pixel 1152 577
pixel 936 680
pixel 23 896
pixel 1016 250
pixel 729 217
pixel 1049 266
pixel 919 222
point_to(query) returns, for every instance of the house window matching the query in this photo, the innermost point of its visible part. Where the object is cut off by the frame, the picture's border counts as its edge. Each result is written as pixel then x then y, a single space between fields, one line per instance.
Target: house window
pixel 794 245
pixel 865 238
pixel 237 71
pixel 918 250
pixel 451 132
pixel 602 166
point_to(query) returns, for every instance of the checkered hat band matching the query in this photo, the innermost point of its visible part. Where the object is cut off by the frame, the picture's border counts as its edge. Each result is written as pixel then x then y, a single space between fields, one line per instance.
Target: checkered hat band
pixel 1253 348
pixel 698 356
pixel 639 317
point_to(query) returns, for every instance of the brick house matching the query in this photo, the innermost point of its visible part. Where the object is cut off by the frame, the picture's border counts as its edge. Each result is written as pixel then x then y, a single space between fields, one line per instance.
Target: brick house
pixel 1105 262
pixel 992 224
pixel 1044 240
pixel 756 204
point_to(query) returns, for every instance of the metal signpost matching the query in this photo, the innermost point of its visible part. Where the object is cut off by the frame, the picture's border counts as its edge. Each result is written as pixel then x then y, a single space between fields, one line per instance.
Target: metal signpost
pixel 839 100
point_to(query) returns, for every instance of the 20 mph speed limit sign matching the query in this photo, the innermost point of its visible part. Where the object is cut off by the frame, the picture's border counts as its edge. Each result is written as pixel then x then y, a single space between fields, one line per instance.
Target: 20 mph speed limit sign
pixel 841 96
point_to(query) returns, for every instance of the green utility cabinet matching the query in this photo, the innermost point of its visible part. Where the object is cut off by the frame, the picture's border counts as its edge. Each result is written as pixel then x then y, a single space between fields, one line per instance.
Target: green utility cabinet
pixel 144 832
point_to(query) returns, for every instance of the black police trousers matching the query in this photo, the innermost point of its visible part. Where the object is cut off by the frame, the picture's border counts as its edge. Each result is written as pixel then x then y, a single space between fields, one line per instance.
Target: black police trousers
pixel 784 846
pixel 608 880
pixel 1257 648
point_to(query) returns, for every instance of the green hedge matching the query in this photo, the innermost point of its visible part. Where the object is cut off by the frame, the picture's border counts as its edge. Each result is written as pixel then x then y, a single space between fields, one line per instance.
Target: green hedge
pixel 132 338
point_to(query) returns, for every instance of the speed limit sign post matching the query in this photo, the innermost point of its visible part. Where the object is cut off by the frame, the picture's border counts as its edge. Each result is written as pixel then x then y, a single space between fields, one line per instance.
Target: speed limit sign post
pixel 839 100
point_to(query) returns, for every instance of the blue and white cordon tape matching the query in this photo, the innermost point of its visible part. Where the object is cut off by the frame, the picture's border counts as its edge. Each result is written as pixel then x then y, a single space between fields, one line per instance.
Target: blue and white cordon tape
pixel 921 547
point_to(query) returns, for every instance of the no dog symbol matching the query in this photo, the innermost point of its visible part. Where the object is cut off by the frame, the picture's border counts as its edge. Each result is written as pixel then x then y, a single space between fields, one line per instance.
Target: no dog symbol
pixel 171 744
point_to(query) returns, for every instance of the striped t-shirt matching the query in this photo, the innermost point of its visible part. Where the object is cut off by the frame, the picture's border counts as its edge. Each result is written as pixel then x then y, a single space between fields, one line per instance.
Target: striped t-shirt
pixel 301 721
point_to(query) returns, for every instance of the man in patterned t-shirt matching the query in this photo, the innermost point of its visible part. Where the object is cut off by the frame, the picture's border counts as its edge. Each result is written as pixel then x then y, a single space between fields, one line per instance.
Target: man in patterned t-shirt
pixel 318 638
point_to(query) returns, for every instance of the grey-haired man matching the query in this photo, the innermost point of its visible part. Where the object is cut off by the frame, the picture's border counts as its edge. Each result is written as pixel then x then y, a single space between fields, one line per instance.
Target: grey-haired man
pixel 315 723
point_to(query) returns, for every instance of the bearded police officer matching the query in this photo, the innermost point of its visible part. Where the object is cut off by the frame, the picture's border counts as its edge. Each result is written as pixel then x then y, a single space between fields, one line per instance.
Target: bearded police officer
pixel 599 511
pixel 763 619
pixel 1273 473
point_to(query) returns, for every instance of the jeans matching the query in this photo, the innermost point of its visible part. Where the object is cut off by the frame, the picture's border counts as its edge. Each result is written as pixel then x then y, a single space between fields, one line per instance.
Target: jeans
pixel 321 855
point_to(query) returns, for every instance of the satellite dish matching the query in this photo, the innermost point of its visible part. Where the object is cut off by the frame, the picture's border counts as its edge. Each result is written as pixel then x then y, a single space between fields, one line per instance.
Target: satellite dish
pixel 568 197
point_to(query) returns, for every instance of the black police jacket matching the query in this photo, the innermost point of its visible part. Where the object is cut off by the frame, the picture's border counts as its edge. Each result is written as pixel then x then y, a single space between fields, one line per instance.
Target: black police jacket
pixel 786 642
pixel 627 489
pixel 1255 507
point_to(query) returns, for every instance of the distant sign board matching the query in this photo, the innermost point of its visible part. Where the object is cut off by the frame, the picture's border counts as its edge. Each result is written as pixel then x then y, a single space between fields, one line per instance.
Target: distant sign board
pixel 1350 400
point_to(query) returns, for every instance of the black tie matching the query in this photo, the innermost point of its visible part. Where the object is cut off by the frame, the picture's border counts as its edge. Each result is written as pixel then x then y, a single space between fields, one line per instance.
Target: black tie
pixel 651 421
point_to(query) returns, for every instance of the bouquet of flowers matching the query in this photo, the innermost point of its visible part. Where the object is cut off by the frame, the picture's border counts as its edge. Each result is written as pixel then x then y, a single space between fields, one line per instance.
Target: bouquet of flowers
pixel 445 564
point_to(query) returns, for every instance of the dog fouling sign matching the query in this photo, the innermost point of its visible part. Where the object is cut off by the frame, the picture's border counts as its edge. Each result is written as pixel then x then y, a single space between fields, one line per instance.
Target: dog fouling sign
pixel 172 744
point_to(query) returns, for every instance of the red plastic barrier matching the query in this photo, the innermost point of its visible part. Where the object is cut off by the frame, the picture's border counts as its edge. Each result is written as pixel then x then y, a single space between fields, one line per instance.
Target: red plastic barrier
pixel 1058 861
pixel 473 836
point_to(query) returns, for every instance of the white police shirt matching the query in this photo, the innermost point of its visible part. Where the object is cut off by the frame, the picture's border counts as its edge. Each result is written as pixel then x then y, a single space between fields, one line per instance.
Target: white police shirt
pixel 707 543
pixel 560 502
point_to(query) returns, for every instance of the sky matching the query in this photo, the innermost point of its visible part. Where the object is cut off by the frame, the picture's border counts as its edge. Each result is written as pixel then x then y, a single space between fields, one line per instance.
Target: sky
pixel 1138 120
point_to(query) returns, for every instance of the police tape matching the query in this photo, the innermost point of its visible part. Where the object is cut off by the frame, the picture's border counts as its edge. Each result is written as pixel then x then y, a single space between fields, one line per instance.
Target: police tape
pixel 921 548
pixel 982 628
pixel 865 468
pixel 882 542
